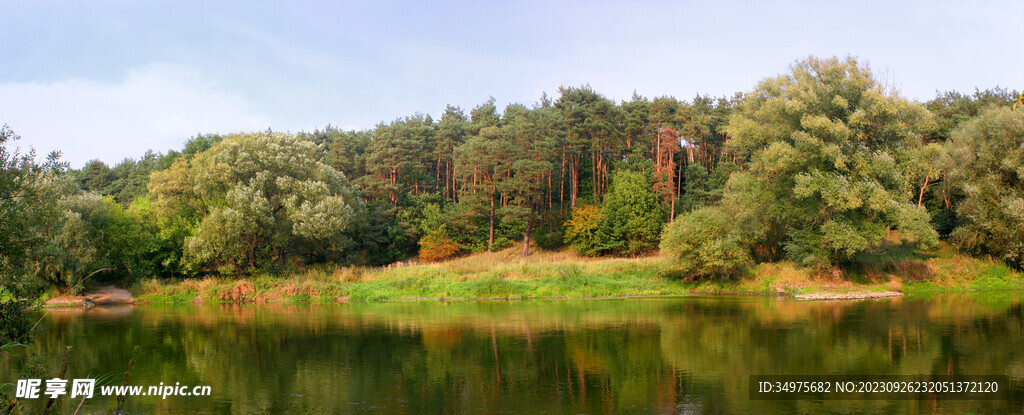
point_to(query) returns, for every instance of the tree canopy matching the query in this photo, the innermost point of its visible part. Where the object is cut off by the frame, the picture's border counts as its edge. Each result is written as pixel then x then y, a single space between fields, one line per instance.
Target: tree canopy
pixel 259 198
pixel 826 148
pixel 986 163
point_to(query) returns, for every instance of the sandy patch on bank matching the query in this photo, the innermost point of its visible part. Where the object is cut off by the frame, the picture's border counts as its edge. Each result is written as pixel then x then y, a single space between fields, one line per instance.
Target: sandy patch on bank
pixel 847 296
pixel 108 295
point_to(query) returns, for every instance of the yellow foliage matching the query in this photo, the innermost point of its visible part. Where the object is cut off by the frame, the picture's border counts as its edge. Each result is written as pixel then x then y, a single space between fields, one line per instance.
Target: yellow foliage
pixel 581 228
pixel 436 247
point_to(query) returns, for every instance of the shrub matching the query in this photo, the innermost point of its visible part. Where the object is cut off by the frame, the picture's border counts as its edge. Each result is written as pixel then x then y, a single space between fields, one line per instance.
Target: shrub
pixel 14 319
pixel 706 243
pixel 549 237
pixel 437 246
pixel 581 231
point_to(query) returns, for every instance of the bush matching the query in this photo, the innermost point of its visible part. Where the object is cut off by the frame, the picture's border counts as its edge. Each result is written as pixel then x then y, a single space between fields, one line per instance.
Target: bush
pixel 437 246
pixel 706 243
pixel 14 319
pixel 549 237
pixel 581 231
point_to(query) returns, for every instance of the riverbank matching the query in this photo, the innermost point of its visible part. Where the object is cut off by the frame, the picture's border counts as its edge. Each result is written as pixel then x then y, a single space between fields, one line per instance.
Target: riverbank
pixel 565 275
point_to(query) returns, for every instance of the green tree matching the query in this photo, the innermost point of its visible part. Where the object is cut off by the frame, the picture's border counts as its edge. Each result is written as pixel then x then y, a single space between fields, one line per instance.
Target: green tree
pixel 706 243
pixel 381 237
pixel 74 250
pixel 951 109
pixel 825 145
pixel 451 132
pixel 27 206
pixel 483 116
pixel 131 241
pixel 636 121
pixel 345 150
pixel 478 164
pixel 95 176
pixel 262 198
pixel 531 137
pixel 399 159
pixel 26 209
pixel 594 126
pixel 986 163
pixel 131 177
pixel 632 216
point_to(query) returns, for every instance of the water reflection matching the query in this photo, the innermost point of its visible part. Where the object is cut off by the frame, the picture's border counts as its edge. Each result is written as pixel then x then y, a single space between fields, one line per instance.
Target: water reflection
pixel 669 355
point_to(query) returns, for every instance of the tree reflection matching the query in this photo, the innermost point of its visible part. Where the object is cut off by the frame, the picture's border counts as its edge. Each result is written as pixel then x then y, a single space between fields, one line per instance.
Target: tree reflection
pixel 661 355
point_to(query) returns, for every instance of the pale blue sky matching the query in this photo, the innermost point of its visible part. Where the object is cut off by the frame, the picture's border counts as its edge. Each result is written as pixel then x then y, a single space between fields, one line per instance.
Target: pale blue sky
pixel 109 79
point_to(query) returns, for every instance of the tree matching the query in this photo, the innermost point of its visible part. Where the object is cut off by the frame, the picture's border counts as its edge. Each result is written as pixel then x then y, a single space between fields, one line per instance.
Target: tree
pixel 399 159
pixel 95 176
pixel 131 177
pixel 74 250
pixel 951 109
pixel 478 164
pixel 483 116
pixel 345 150
pixel 637 120
pixel 665 167
pixel 703 188
pixel 986 163
pixel 176 208
pixel 432 223
pixel 26 206
pixel 824 145
pixel 262 198
pixel 594 126
pixel 25 210
pixel 451 132
pixel 532 137
pixel 632 216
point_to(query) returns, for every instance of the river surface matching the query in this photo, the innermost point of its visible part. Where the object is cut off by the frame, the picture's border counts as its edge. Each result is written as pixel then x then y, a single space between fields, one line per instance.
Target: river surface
pixel 655 355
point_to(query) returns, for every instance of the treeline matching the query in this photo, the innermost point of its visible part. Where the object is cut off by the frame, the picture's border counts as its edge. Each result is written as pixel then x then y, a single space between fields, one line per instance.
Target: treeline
pixel 817 166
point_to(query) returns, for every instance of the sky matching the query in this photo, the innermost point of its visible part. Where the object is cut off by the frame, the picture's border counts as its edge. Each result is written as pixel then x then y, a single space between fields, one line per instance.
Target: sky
pixel 110 79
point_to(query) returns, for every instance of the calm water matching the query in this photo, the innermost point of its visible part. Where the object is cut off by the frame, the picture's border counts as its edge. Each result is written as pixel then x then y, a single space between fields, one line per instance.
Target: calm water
pixel 666 355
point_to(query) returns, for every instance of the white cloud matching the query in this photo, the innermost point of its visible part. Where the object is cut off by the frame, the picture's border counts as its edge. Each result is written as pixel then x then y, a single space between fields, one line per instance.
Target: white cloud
pixel 155 107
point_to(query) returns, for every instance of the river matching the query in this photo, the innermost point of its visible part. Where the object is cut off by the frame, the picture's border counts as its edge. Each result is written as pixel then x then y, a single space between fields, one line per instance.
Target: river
pixel 653 355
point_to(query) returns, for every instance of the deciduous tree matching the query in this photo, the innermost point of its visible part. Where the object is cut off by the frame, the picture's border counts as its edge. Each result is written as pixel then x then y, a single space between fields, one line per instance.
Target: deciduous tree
pixel 987 165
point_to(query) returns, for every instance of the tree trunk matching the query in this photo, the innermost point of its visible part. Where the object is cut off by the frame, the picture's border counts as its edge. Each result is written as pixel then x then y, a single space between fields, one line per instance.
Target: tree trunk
pixel 490 232
pixel 526 235
pixel 594 178
pixel 924 186
pixel 561 185
pixel 574 176
pixel 945 196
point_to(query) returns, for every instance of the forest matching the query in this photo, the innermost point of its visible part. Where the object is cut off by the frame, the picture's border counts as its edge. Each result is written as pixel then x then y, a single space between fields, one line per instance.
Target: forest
pixel 816 166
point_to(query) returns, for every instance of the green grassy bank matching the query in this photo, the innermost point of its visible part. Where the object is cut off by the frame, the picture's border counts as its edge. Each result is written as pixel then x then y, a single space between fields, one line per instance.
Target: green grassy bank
pixel 566 275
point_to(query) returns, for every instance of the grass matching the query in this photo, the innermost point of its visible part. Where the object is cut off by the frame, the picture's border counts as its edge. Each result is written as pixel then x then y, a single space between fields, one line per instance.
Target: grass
pixel 563 274
pixel 500 274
